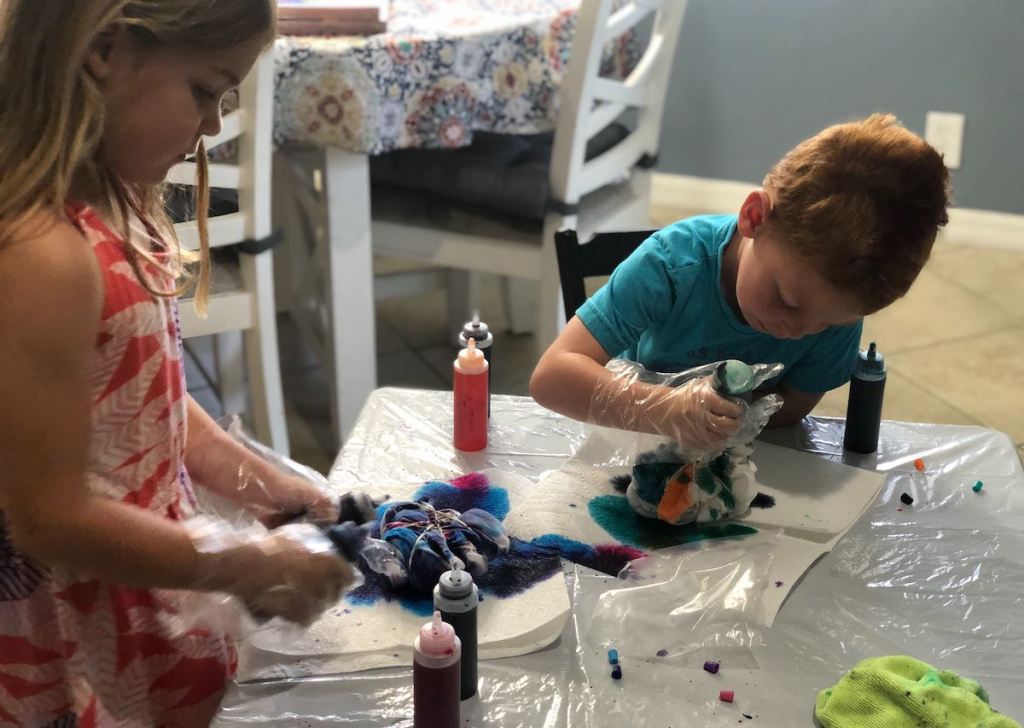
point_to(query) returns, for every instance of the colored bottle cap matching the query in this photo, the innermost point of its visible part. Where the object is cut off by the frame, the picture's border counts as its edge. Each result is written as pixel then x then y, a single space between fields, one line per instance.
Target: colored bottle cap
pixel 455 584
pixel 437 637
pixel 871 360
pixel 476 329
pixel 726 696
pixel 471 360
pixel 734 377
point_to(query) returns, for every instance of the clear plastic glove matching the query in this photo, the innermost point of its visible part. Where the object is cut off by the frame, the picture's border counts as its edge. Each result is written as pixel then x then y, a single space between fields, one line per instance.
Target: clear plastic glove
pixel 293 572
pixel 289 492
pixel 690 407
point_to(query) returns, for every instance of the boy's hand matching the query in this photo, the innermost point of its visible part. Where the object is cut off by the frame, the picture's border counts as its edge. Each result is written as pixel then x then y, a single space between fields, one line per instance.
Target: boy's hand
pixel 695 415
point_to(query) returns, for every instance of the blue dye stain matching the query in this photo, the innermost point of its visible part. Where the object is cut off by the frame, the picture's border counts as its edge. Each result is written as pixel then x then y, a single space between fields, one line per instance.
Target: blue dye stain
pixel 442 495
pixel 529 562
pixel 614 514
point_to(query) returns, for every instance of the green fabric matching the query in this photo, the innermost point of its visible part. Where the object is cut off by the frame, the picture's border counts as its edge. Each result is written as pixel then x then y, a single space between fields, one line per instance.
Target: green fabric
pixel 901 692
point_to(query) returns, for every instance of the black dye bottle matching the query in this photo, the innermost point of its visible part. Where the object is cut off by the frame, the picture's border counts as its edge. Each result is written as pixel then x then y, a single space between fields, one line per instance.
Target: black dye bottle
pixel 864 408
pixel 456 597
pixel 481 333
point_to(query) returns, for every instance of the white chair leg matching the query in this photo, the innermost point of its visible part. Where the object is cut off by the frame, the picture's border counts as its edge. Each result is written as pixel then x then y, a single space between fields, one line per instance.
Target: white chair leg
pixel 550 312
pixel 463 300
pixel 267 396
pixel 230 363
pixel 349 259
pixel 520 298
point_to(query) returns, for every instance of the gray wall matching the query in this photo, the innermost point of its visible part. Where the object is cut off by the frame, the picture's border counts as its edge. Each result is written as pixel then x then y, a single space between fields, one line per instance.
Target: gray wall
pixel 754 77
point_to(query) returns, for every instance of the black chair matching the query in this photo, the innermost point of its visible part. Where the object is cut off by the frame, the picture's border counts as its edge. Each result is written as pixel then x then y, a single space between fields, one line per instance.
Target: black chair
pixel 598 257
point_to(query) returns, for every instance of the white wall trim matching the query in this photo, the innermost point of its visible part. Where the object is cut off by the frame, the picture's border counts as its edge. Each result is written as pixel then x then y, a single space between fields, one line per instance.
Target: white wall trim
pixel 980 228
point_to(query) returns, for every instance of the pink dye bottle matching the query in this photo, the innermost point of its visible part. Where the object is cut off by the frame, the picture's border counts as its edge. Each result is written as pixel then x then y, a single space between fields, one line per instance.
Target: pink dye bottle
pixel 471 399
pixel 437 653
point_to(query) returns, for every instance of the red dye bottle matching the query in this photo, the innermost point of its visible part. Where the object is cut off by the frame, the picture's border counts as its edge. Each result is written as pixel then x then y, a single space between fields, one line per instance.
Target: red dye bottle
pixel 471 398
pixel 435 676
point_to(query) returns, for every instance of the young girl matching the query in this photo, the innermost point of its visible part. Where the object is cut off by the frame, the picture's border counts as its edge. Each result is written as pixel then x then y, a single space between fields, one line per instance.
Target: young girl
pixel 98 439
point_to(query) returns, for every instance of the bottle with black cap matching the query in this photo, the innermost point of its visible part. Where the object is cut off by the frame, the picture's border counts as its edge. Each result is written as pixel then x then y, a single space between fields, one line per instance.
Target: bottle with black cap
pixel 864 407
pixel 456 597
pixel 478 330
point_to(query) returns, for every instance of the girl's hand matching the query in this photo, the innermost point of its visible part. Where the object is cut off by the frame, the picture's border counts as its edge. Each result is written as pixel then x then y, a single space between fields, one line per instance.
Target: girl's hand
pixel 298 499
pixel 280 574
pixel 292 498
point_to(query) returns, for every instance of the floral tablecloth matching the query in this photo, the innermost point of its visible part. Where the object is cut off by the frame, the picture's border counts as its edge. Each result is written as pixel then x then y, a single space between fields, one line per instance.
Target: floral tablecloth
pixel 443 69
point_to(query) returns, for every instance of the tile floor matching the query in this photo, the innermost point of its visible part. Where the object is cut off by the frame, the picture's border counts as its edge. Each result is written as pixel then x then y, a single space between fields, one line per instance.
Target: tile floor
pixel 954 346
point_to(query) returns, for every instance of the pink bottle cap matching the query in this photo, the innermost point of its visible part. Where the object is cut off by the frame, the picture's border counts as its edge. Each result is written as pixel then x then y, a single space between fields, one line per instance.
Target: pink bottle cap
pixel 437 637
pixel 471 360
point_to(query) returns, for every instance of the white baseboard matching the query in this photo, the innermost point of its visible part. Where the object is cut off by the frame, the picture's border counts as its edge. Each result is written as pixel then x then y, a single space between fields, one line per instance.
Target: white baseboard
pixel 982 228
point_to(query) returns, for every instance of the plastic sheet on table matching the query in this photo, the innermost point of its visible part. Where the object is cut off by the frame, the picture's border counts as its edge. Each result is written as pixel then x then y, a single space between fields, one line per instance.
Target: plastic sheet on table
pixel 405 436
pixel 681 603
pixel 941 580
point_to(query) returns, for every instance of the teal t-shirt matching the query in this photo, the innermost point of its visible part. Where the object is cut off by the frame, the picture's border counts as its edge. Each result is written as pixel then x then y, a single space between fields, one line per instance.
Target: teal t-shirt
pixel 664 308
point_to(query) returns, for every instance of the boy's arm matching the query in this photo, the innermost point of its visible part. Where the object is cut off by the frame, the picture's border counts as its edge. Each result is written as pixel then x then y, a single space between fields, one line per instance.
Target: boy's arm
pixel 221 464
pixel 569 372
pixel 795 405
pixel 572 371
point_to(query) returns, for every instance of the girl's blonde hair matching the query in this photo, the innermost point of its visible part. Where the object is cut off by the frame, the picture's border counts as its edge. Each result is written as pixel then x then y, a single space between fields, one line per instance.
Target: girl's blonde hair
pixel 52 113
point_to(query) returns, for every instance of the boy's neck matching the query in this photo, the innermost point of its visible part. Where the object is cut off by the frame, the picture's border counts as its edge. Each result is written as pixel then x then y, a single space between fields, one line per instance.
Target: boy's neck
pixel 730 267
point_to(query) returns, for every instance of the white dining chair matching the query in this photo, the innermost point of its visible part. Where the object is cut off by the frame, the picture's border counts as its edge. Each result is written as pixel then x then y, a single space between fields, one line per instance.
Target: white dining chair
pixel 589 193
pixel 241 314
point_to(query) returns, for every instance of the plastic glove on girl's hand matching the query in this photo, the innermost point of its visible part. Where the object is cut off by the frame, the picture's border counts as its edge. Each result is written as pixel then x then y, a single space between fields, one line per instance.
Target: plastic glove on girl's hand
pixel 325 509
pixel 293 573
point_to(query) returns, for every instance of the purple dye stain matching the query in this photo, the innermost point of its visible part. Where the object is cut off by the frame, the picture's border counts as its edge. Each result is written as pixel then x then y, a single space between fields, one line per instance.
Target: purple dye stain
pixel 662 653
pixel 572 505
pixel 763 500
pixel 778 584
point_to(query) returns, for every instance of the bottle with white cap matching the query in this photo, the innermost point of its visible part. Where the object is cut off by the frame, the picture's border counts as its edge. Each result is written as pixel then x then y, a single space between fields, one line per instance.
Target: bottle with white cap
pixel 470 401
pixel 435 676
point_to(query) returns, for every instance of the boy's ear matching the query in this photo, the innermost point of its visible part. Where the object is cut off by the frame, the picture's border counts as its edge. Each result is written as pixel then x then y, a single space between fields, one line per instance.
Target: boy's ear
pixel 754 213
pixel 104 53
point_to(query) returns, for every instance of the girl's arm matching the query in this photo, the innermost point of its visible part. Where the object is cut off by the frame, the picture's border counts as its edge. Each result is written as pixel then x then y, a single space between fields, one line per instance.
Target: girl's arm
pixel 50 303
pixel 220 463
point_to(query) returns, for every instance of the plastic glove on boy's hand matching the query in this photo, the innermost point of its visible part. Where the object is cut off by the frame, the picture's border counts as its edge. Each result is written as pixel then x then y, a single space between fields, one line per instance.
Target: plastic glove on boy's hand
pixel 703 409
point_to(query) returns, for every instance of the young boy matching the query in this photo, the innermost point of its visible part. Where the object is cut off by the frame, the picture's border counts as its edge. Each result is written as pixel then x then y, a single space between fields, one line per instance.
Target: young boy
pixel 842 227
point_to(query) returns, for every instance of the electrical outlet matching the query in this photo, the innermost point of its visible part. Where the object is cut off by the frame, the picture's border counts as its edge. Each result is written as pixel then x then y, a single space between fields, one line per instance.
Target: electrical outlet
pixel 945 131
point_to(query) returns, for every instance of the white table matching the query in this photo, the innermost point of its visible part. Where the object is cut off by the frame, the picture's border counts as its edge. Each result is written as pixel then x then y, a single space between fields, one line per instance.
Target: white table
pixel 943 581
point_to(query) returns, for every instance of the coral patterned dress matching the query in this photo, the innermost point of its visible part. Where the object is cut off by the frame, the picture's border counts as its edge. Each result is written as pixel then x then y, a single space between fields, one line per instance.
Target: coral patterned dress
pixel 79 652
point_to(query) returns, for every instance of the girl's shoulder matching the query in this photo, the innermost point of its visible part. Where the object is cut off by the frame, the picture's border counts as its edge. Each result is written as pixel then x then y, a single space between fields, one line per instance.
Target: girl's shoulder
pixel 48 275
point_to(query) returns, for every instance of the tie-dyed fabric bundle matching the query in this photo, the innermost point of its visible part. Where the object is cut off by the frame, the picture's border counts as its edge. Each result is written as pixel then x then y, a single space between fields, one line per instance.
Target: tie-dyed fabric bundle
pixel 413 543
